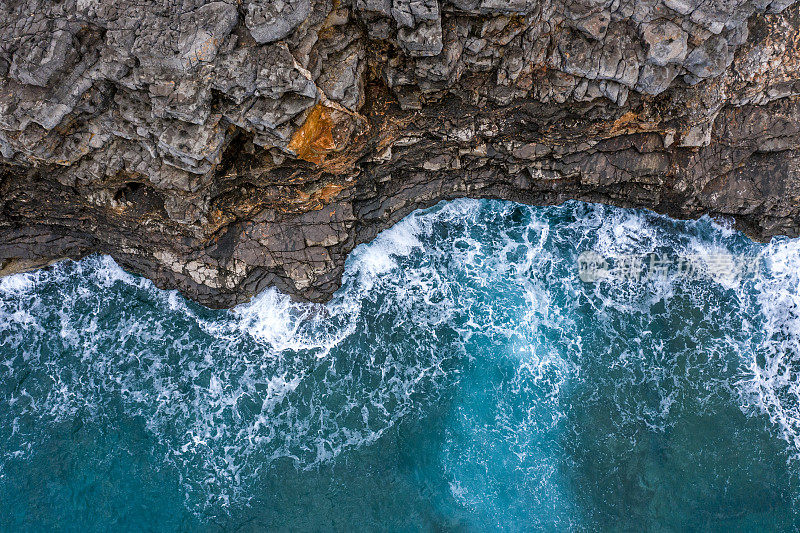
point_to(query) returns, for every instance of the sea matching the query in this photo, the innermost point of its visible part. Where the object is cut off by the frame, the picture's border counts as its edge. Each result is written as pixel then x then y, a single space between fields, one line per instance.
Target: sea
pixel 485 366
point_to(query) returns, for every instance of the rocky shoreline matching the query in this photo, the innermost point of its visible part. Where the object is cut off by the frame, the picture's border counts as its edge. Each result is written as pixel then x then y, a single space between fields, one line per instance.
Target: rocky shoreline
pixel 219 148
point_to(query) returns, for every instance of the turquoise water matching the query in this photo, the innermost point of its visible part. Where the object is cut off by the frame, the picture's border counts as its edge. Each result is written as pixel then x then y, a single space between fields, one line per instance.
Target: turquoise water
pixel 463 379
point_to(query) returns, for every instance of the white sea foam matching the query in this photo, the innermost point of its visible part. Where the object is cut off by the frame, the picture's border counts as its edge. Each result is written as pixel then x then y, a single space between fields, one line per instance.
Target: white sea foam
pixel 772 385
pixel 380 256
pixel 625 232
pixel 18 283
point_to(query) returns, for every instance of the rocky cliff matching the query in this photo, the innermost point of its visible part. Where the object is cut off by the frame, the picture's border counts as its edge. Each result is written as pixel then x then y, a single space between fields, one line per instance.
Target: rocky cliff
pixel 223 147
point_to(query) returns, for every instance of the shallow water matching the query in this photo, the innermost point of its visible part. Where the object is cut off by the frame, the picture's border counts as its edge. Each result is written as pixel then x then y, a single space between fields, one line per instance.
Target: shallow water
pixel 463 378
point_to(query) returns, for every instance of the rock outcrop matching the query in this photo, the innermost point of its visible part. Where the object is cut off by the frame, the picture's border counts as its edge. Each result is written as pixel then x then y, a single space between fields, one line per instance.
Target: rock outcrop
pixel 222 147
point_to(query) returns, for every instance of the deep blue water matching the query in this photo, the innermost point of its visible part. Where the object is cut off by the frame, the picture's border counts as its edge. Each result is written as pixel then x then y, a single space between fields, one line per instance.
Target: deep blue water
pixel 465 378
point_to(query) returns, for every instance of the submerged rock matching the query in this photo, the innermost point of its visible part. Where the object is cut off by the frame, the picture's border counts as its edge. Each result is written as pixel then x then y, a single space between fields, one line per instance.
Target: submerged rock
pixel 223 147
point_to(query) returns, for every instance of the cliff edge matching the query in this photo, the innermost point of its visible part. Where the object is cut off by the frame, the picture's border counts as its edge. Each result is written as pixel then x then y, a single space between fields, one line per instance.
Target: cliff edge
pixel 223 147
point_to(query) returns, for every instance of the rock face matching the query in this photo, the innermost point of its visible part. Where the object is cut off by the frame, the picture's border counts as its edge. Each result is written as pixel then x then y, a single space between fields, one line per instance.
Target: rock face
pixel 223 147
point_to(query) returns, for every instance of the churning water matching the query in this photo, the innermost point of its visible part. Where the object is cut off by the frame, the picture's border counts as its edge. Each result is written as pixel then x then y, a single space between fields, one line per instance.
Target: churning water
pixel 464 378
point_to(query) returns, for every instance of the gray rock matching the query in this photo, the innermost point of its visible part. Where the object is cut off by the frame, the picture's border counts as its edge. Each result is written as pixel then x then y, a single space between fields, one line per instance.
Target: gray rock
pixel 36 61
pixel 655 79
pixel 666 43
pixel 594 25
pixel 423 41
pixel 273 20
pixel 520 7
pixel 207 26
pixel 710 58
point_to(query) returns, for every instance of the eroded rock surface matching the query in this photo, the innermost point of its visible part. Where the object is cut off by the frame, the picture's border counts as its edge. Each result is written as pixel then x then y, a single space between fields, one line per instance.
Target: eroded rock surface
pixel 223 147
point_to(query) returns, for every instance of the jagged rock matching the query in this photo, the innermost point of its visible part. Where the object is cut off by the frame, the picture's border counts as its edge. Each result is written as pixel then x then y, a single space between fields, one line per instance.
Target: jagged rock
pixel 425 40
pixel 222 147
pixel 666 43
pixel 273 20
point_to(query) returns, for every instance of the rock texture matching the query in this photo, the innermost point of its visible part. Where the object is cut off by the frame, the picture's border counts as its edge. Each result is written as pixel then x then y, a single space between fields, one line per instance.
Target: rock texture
pixel 223 147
